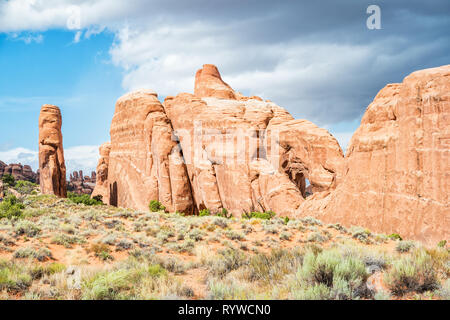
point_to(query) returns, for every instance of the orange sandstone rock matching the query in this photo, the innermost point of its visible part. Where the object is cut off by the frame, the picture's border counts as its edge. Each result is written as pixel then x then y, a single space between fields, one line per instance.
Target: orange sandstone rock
pixel 51 154
pixel 396 176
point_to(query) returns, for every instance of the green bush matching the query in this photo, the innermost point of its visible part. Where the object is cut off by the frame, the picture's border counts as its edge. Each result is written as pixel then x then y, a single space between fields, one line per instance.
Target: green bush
pixel 25 187
pixel 442 243
pixel 404 246
pixel 412 273
pixel 156 206
pixel 10 207
pixel 343 275
pixel 395 236
pixel 204 213
pixel 224 214
pixel 83 198
pixel 9 180
pixel 13 277
pixel 267 215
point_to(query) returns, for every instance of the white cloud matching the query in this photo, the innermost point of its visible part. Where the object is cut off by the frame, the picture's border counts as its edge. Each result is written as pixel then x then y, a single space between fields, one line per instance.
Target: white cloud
pixel 315 59
pixel 76 158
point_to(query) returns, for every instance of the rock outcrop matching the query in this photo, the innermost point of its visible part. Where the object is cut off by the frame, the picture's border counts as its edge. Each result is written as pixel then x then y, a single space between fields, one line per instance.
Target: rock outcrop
pixel 101 185
pixel 396 176
pixel 246 154
pixel 81 184
pixel 210 151
pixel 51 154
pixel 18 171
pixel 142 163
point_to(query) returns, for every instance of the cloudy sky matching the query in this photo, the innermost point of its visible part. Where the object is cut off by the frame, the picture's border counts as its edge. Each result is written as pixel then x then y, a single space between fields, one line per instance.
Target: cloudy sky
pixel 317 59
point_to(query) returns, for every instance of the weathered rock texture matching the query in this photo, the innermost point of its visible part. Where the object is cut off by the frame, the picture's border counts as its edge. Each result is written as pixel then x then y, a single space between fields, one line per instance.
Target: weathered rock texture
pixel 51 154
pixel 396 176
pixel 142 164
pixel 18 171
pixel 101 185
pixel 223 137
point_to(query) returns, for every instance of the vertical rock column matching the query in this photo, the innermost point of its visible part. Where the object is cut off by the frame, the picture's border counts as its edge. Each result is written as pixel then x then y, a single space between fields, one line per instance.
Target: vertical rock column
pixel 51 154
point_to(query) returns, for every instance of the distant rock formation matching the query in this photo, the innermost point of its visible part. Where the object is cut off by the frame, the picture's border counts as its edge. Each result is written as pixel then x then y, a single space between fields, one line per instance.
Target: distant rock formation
pixel 396 175
pixel 81 184
pixel 18 171
pixel 51 154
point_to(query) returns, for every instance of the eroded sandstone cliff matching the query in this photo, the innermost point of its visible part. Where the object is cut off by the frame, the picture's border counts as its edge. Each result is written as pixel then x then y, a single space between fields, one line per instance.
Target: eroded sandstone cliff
pixel 52 169
pixel 396 176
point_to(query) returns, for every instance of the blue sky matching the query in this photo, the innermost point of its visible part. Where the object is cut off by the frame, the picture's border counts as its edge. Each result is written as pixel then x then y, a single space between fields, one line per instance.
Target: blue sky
pixel 318 60
pixel 77 77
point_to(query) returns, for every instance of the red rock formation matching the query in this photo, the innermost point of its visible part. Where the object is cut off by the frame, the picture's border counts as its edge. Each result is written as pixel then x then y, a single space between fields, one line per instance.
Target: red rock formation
pixel 18 171
pixel 209 83
pixel 51 154
pixel 247 154
pixel 228 168
pixel 101 186
pixel 143 164
pixel 81 185
pixel 396 176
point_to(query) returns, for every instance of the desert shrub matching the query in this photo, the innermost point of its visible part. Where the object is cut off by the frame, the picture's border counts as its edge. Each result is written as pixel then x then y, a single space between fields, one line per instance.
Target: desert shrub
pixel 285 235
pixel 412 273
pixel 311 221
pixel 195 234
pixel 442 243
pixel 25 187
pixel 26 227
pixel 316 237
pixel 225 261
pixel 204 213
pixel 228 289
pixel 404 246
pixel 274 266
pixel 124 244
pixel 156 206
pixel 11 207
pixel 343 275
pixel 39 271
pixel 220 222
pixel 13 277
pixel 338 227
pixel 267 215
pixel 41 254
pixel 83 198
pixel 66 240
pixel 9 180
pixel 314 292
pixel 360 234
pixel 101 251
pixel 444 290
pixel 224 213
pixel 234 235
pixel 395 236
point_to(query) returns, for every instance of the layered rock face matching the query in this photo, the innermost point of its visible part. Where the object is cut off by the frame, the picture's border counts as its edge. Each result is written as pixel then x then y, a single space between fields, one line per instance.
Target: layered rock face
pixel 18 171
pixel 101 185
pixel 396 176
pixel 52 168
pixel 238 152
